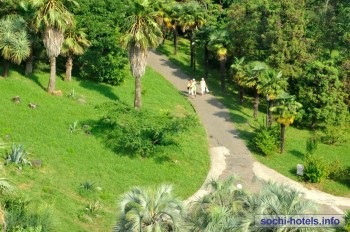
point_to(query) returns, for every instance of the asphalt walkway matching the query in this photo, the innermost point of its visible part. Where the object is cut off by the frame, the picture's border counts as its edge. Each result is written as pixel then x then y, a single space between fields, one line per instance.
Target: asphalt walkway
pixel 228 153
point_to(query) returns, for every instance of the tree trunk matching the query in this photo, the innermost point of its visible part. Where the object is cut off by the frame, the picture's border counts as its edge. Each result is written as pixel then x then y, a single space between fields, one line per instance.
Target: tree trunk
pixel 206 59
pixel 194 57
pixel 223 73
pixel 52 82
pixel 29 64
pixel 69 67
pixel 269 113
pixel 137 100
pixel 191 48
pixel 283 132
pixel 175 39
pixel 256 103
pixel 241 94
pixel 5 72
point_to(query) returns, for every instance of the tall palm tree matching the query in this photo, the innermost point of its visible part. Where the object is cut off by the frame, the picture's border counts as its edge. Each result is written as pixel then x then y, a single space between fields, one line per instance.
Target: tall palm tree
pixel 240 73
pixel 149 210
pixel 142 32
pixel 272 84
pixel 190 19
pixel 52 18
pixel 285 113
pixel 14 42
pixel 252 80
pixel 75 43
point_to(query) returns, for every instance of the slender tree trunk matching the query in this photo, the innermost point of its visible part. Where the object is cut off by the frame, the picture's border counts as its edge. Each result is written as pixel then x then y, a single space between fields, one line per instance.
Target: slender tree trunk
pixel 270 104
pixel 52 81
pixel 175 39
pixel 206 59
pixel 69 67
pixel 241 94
pixel 283 132
pixel 256 103
pixel 29 64
pixel 137 100
pixel 223 73
pixel 5 72
pixel 194 58
pixel 191 48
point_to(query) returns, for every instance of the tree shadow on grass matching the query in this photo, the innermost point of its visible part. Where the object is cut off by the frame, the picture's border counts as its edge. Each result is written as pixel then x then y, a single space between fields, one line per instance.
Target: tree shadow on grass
pixel 297 154
pixel 103 89
pixel 35 79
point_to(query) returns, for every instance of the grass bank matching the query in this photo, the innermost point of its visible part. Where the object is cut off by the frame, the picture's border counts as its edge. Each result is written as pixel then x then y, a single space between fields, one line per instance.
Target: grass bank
pixel 71 157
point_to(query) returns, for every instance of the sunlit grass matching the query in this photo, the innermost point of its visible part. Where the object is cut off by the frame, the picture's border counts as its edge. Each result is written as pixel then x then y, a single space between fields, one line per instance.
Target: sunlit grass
pixel 71 157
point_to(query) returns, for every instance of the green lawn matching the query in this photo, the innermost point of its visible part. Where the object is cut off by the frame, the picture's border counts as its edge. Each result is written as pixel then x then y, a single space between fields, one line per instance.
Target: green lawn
pixel 295 146
pixel 69 159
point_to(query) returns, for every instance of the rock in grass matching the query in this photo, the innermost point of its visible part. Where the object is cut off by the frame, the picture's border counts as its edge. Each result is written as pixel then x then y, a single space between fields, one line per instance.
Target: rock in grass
pixel 16 99
pixel 36 163
pixel 32 105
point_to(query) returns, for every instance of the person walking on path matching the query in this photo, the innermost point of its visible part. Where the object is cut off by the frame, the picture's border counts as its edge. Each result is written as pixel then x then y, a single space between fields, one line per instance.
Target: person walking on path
pixel 203 86
pixel 194 87
pixel 189 88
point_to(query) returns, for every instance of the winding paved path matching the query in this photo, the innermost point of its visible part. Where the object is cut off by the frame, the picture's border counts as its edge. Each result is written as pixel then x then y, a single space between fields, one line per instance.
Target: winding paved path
pixel 228 153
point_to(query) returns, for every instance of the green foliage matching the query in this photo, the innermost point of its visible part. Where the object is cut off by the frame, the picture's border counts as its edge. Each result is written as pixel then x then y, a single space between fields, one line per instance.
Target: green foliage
pixel 266 140
pixel 311 145
pixel 141 132
pixel 94 208
pixel 23 215
pixel 87 185
pixel 17 155
pixel 316 168
pixel 322 96
pixel 5 187
pixel 338 172
pixel 104 61
pixel 335 134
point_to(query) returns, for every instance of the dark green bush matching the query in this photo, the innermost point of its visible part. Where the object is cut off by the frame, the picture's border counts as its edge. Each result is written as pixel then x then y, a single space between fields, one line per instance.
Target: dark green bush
pixel 315 168
pixel 338 172
pixel 141 132
pixel 266 140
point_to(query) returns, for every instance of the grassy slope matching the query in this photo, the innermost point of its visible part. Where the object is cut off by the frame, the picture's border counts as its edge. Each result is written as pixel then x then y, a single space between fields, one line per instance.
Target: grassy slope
pixel 72 158
pixel 242 117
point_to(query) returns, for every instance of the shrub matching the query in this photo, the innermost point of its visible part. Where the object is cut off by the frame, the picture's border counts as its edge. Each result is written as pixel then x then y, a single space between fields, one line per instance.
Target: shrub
pixel 334 135
pixel 87 185
pixel 266 140
pixel 316 169
pixel 17 155
pixel 311 145
pixel 337 171
pixel 141 132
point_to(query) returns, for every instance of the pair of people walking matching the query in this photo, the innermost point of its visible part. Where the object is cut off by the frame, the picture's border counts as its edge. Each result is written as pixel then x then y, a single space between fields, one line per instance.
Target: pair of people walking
pixel 192 87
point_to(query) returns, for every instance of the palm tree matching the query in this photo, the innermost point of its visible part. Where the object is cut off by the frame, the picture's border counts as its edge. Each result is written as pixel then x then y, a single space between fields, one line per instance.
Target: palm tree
pixel 52 18
pixel 272 84
pixel 285 113
pixel 149 210
pixel 142 32
pixel 75 43
pixel 218 210
pixel 253 78
pixel 190 19
pixel 238 67
pixel 14 42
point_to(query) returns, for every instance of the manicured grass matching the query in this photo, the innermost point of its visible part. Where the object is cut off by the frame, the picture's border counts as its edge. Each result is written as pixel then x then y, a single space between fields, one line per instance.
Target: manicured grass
pixel 69 159
pixel 241 115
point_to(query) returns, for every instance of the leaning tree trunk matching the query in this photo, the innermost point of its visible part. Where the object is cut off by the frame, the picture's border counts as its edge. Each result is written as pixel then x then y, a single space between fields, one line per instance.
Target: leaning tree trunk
pixel 5 72
pixel 69 67
pixel 175 39
pixel 52 81
pixel 283 132
pixel 256 103
pixel 138 62
pixel 191 47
